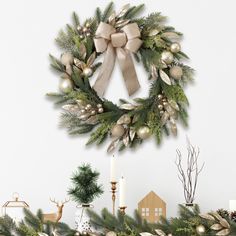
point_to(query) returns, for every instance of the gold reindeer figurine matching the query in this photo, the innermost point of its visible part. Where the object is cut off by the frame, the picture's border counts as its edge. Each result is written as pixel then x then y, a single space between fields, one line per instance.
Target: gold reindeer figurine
pixel 55 217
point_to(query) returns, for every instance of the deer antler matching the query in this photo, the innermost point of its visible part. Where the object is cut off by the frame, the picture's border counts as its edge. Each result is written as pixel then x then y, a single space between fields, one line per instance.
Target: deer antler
pixel 66 200
pixel 54 201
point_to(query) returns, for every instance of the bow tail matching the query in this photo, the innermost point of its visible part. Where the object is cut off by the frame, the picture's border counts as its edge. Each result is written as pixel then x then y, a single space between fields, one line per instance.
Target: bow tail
pixel 128 70
pixel 105 71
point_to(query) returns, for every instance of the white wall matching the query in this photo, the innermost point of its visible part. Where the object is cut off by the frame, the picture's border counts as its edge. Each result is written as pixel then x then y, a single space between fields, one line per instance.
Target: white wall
pixel 37 157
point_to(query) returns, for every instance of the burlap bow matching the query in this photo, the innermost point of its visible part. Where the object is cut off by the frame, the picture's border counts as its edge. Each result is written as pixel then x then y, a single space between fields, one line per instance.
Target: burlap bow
pixel 118 44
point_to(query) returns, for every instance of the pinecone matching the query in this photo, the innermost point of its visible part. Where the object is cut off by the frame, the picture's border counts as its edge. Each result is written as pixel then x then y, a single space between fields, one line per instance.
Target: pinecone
pixel 223 213
pixel 233 216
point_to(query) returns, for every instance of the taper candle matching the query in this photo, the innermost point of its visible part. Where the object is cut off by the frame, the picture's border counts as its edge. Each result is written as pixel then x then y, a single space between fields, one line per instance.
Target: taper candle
pixel 122 186
pixel 113 169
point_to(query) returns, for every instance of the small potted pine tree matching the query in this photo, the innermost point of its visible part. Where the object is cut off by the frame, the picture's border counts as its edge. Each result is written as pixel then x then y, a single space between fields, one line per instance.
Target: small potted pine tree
pixel 83 191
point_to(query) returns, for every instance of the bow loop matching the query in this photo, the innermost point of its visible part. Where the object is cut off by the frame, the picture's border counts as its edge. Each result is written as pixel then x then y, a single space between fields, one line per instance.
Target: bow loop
pixel 118 44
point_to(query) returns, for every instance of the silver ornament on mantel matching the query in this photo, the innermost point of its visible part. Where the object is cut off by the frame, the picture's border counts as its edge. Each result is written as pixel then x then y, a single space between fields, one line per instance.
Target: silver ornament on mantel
pixel 167 57
pixel 175 47
pixel 176 72
pixel 117 131
pixel 144 132
pixel 66 85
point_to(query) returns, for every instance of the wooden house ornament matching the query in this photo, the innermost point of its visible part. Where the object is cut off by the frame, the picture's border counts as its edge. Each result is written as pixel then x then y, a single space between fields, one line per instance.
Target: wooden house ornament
pixel 152 207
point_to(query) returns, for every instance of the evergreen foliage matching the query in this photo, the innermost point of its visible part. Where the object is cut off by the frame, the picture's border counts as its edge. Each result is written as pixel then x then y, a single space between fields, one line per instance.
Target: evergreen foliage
pixel 32 225
pixel 85 187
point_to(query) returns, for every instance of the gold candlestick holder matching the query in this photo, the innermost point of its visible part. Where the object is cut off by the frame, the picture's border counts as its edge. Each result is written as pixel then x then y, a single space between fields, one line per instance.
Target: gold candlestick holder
pixel 122 209
pixel 113 196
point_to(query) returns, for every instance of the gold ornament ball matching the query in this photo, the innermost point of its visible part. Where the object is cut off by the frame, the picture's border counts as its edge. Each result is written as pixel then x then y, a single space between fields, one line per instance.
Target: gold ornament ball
pixel 77 233
pixel 176 72
pixel 93 112
pixel 67 58
pixel 87 72
pixel 200 229
pixel 100 110
pixel 160 96
pixel 88 107
pixel 144 132
pixel 83 111
pixel 167 57
pixel 66 85
pixel 160 107
pixel 85 29
pixel 111 233
pixel 117 131
pixel 79 28
pixel 175 47
pixel 99 105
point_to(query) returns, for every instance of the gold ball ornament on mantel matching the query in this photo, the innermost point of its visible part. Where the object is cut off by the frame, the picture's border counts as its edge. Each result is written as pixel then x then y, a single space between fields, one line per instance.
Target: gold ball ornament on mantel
pixel 66 86
pixel 117 131
pixel 200 229
pixel 167 57
pixel 144 132
pixel 176 72
pixel 111 233
pixel 175 47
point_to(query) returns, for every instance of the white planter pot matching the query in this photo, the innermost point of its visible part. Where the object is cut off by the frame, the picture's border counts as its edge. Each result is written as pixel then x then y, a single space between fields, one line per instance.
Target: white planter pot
pixel 82 219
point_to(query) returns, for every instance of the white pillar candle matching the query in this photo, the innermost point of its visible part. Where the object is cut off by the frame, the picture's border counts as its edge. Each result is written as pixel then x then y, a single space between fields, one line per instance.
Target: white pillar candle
pixel 113 169
pixel 232 205
pixel 122 190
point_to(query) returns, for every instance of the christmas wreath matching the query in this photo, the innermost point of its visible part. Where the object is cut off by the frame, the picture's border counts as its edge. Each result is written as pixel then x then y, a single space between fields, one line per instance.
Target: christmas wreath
pixel 121 36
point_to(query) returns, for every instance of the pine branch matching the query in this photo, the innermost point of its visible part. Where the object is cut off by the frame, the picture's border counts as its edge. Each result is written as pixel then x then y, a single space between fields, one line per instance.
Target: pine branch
pixel 107 12
pixel 98 15
pixel 75 19
pixel 56 64
pixel 134 11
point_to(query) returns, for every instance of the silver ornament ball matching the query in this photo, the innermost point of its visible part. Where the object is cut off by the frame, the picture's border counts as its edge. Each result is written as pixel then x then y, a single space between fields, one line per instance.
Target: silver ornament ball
pixel 176 72
pixel 175 47
pixel 167 57
pixel 160 107
pixel 67 58
pixel 87 72
pixel 200 229
pixel 144 132
pixel 83 111
pixel 99 105
pixel 117 131
pixel 160 96
pixel 66 85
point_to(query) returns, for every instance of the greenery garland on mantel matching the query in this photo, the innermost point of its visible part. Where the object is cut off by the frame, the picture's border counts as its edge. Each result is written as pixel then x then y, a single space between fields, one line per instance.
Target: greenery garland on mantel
pixel 190 222
pixel 151 42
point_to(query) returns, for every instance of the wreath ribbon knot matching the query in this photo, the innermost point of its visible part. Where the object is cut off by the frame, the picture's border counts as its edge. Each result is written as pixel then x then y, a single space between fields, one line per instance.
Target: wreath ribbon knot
pixel 117 44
